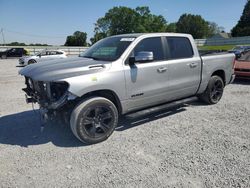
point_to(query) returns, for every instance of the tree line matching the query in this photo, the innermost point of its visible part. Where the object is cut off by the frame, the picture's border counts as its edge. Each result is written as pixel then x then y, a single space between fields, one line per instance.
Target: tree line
pixel 120 20
pixel 23 44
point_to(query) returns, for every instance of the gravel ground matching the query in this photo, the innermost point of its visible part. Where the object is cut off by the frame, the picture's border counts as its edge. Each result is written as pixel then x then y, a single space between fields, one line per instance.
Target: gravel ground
pixel 191 145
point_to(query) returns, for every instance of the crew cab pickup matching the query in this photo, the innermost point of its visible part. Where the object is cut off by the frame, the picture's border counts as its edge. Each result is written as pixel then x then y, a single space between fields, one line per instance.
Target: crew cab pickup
pixel 125 73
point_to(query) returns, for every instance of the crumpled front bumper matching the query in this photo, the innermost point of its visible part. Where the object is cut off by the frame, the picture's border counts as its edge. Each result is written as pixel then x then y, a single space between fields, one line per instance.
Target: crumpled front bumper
pixel 53 105
pixel 41 93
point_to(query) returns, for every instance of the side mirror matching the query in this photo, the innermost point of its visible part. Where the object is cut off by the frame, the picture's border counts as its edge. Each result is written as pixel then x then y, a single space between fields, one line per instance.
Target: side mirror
pixel 144 56
pixel 131 61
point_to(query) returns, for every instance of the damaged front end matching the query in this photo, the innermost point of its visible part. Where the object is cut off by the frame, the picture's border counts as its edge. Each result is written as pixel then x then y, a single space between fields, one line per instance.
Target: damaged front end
pixel 52 97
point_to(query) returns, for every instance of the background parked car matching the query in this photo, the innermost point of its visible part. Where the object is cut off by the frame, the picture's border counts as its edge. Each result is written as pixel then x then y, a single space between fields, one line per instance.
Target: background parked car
pixel 42 56
pixel 14 52
pixel 239 50
pixel 242 66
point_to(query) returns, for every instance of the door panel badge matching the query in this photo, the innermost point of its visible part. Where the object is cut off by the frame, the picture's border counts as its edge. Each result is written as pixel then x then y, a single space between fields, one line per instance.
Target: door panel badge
pixel 137 95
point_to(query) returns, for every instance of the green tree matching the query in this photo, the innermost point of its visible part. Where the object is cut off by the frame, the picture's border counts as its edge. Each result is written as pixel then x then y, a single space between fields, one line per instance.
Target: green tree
pixel 213 29
pixel 97 36
pixel 171 28
pixel 120 20
pixel 77 39
pixel 16 44
pixel 242 28
pixel 193 24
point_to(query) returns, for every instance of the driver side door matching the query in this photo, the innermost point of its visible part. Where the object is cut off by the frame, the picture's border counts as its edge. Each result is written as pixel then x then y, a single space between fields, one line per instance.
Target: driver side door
pixel 146 82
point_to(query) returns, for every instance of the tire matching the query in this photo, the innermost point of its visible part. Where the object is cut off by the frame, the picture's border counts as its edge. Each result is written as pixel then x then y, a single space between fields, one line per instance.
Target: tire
pixel 214 90
pixel 4 56
pixel 32 61
pixel 94 120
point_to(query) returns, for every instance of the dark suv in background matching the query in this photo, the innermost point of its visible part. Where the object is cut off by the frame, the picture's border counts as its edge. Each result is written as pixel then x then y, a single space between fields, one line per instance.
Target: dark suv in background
pixel 13 52
pixel 239 50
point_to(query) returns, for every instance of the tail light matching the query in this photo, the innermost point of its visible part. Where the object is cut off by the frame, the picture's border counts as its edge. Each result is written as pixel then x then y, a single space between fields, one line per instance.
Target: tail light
pixel 234 63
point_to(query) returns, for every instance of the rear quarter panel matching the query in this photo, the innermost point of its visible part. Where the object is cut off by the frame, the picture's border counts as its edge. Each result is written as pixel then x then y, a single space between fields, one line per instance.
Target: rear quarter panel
pixel 213 63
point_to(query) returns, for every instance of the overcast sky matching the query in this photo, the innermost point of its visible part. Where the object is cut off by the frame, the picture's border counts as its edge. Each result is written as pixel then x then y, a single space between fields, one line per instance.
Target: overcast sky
pixel 50 21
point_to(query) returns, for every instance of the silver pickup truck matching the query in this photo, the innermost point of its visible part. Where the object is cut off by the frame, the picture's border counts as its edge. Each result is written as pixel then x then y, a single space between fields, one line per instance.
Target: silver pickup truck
pixel 125 73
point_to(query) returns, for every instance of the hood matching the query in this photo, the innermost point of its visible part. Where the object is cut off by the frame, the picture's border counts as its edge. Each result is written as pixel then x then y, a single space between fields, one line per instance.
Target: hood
pixel 63 68
pixel 242 65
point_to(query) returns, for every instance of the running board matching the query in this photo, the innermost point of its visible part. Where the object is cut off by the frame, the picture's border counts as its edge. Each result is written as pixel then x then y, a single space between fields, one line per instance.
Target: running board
pixel 166 106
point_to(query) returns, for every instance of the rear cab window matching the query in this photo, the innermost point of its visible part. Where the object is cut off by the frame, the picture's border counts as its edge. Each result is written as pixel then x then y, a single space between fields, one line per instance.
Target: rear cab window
pixel 178 48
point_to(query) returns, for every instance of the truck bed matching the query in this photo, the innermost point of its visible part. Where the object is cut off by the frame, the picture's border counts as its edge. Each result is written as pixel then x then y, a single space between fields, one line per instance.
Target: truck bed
pixel 211 52
pixel 216 62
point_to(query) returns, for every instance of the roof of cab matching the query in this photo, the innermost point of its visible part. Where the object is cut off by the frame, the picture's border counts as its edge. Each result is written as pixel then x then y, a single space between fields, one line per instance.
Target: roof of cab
pixel 135 35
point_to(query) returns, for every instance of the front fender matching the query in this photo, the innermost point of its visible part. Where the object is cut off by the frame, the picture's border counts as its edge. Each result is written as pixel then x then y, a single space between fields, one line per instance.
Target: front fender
pixel 113 81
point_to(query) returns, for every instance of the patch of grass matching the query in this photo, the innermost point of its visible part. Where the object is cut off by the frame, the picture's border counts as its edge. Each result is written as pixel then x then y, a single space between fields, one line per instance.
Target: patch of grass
pixel 226 47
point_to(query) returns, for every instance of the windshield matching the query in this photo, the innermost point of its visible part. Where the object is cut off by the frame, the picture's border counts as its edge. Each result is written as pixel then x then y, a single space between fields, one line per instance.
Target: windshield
pixel 238 48
pixel 108 49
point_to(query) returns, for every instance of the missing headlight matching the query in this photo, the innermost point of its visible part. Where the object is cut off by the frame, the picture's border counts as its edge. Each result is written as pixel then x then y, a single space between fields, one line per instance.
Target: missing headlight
pixel 29 83
pixel 58 89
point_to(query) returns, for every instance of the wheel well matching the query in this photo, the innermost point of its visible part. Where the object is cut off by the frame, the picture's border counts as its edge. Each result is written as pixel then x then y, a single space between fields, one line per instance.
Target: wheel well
pixel 221 74
pixel 108 94
pixel 32 60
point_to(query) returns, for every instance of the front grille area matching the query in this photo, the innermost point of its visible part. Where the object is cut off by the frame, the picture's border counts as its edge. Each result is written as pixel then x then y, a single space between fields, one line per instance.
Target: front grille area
pixel 36 90
pixel 45 93
pixel 243 70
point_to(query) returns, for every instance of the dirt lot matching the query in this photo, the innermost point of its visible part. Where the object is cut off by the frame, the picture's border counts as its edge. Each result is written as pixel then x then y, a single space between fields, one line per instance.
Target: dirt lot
pixel 192 145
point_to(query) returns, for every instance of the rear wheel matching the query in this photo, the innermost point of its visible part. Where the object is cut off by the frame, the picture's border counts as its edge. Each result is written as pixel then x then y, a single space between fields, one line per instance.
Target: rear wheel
pixel 94 120
pixel 214 90
pixel 32 61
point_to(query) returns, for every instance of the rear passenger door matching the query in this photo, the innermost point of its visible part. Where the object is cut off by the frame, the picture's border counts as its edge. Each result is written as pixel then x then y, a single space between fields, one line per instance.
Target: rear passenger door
pixel 183 67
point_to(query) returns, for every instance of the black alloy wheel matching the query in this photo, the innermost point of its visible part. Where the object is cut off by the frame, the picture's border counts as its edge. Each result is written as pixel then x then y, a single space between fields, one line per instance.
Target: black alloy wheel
pixel 94 120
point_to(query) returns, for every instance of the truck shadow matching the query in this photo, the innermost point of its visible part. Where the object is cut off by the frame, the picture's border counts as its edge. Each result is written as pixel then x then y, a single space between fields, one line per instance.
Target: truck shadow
pixel 24 129
pixel 138 118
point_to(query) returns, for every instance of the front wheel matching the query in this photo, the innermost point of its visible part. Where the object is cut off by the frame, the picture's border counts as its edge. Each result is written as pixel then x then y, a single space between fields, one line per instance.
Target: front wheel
pixel 214 90
pixel 94 120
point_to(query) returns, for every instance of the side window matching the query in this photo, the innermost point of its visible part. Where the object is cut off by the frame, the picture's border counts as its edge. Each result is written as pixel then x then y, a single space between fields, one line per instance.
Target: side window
pixel 58 53
pixel 153 44
pixel 43 53
pixel 179 47
pixel 19 50
pixel 52 53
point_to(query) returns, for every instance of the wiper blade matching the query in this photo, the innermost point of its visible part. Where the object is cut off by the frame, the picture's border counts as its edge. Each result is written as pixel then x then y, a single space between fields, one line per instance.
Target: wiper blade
pixel 95 58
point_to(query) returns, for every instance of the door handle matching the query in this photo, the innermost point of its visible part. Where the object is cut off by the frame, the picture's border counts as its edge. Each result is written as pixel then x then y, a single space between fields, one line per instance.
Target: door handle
pixel 162 69
pixel 193 65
